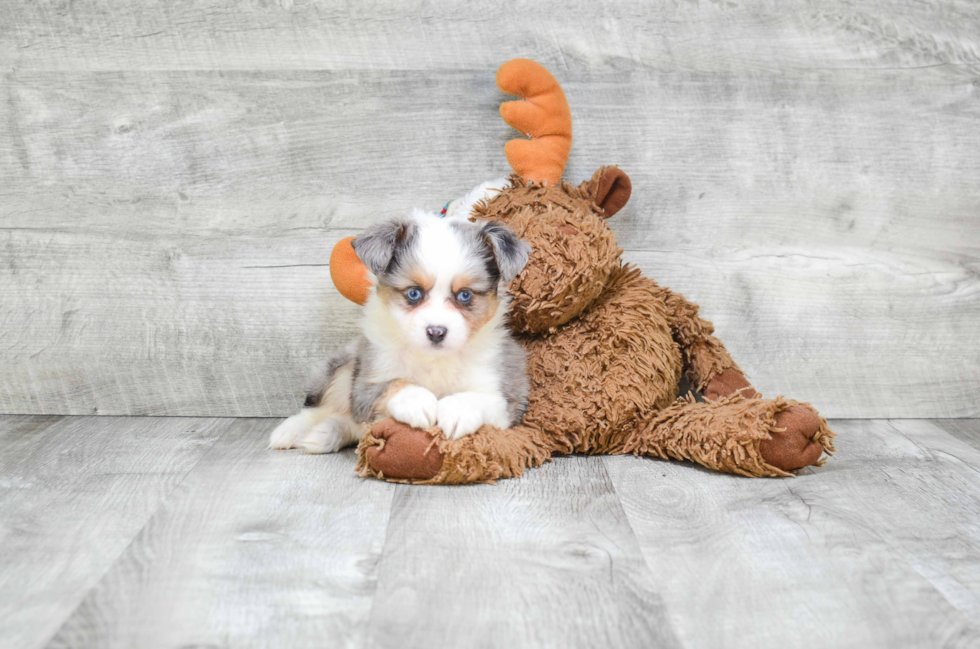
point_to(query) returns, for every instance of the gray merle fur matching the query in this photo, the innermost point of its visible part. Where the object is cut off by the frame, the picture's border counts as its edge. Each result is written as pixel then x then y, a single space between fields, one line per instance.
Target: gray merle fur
pixel 379 245
pixel 503 254
pixel 515 386
pixel 320 380
pixel 358 356
pixel 509 252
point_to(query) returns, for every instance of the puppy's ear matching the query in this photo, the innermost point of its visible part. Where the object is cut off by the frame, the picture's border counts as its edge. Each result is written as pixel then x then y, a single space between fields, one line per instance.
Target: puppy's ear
pixel 376 246
pixel 510 252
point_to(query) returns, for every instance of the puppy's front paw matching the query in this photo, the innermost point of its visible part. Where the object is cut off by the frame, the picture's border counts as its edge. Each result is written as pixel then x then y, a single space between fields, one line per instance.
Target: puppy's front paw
pixel 459 415
pixel 415 406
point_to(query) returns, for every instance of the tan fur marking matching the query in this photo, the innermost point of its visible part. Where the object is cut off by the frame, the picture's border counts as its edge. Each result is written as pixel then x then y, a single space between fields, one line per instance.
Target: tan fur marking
pixel 422 279
pixel 386 294
pixel 460 282
pixel 481 311
pixel 396 386
pixel 390 296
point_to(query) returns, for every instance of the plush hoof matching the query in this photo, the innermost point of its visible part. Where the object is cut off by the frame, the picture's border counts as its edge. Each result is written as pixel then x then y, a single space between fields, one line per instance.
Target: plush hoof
pixel 793 445
pixel 405 453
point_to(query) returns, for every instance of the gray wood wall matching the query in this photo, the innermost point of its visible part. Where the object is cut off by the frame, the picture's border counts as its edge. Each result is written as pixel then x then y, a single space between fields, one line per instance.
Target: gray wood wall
pixel 173 177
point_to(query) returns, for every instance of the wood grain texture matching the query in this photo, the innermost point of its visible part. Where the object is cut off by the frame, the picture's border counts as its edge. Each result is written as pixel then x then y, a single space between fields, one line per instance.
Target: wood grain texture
pixel 545 561
pixel 255 548
pixel 164 532
pixel 427 35
pixel 175 175
pixel 73 494
pixel 880 548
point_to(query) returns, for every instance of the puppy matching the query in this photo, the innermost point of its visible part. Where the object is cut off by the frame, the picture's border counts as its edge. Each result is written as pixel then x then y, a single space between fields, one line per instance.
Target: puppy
pixel 434 349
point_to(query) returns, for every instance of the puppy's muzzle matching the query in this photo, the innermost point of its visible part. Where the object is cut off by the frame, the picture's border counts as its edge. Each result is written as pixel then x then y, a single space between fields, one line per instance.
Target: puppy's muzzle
pixel 436 334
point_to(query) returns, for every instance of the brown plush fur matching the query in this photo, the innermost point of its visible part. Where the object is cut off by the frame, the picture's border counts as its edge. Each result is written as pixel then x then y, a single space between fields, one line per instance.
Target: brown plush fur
pixel 722 435
pixel 566 233
pixel 606 350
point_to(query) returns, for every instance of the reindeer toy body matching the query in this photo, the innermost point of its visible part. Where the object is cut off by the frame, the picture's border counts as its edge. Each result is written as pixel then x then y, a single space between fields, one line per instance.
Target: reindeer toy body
pixel 606 346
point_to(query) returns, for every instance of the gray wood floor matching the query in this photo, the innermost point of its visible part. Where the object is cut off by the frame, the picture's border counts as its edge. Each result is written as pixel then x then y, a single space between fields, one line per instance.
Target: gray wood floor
pixel 178 532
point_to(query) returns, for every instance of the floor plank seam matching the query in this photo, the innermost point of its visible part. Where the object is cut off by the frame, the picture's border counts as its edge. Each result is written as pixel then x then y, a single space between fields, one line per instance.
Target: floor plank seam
pixel 398 489
pixel 626 516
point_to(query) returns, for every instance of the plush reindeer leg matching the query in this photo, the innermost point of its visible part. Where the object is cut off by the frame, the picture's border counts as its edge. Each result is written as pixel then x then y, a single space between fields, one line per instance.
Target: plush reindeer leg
pixel 733 435
pixel 793 442
pixel 396 452
pixel 798 435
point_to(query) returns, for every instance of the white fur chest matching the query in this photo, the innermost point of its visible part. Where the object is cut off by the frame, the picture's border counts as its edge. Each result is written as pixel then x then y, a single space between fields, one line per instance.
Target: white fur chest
pixel 441 375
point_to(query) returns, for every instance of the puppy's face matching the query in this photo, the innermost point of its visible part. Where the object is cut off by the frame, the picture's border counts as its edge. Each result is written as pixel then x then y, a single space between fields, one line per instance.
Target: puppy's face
pixel 437 279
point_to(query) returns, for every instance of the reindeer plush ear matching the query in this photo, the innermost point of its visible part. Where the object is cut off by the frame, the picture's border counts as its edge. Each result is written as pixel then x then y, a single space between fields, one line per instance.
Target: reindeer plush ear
pixel 610 188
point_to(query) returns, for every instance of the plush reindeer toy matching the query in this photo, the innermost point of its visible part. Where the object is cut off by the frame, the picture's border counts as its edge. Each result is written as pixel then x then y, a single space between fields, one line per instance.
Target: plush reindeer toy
pixel 606 346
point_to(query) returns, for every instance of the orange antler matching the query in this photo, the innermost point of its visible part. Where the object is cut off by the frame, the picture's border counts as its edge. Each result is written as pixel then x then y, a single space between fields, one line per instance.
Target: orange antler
pixel 542 114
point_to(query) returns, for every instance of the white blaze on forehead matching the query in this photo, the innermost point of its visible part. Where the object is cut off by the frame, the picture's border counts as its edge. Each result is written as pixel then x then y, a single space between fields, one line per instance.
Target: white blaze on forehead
pixel 442 253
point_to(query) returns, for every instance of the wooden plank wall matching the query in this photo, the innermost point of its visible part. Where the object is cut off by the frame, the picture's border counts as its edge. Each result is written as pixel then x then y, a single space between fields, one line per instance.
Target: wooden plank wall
pixel 173 176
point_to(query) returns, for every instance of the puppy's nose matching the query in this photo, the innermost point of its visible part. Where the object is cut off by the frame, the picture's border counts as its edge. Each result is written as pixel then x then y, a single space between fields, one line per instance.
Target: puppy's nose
pixel 436 334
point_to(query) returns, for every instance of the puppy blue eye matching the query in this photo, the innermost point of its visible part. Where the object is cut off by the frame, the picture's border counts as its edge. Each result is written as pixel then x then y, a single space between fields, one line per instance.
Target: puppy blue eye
pixel 464 296
pixel 414 294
